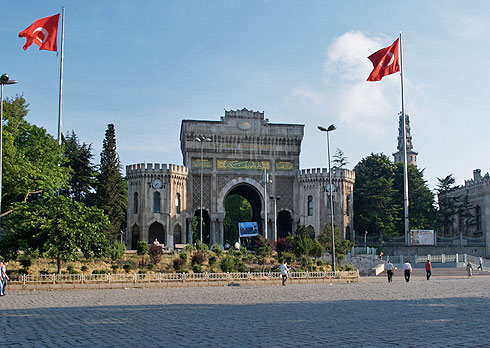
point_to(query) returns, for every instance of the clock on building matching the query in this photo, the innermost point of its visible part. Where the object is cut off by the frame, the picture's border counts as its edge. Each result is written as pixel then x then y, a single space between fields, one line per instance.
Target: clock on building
pixel 157 183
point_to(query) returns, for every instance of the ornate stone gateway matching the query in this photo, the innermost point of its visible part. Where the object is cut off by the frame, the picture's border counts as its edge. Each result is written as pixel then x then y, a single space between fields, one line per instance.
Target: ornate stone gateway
pixel 241 147
pixel 233 156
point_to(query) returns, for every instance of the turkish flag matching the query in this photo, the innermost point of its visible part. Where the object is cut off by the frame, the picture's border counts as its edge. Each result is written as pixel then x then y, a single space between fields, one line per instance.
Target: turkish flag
pixel 386 61
pixel 43 33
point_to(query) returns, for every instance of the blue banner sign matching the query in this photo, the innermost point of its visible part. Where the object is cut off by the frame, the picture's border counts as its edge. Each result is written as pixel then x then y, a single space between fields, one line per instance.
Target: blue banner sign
pixel 248 229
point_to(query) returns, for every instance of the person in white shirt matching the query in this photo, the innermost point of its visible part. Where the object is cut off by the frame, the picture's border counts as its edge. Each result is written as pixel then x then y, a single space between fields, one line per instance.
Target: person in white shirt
pixel 284 272
pixel 390 270
pixel 407 270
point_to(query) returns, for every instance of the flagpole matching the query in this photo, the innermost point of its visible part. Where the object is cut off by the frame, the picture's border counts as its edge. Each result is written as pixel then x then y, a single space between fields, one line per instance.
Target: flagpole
pixel 405 171
pixel 61 73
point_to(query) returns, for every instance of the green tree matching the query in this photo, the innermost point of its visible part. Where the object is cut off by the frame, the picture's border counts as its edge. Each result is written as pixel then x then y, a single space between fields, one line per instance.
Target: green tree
pixel 375 210
pixel 448 203
pixel 264 250
pixel 111 187
pixel 421 210
pixel 339 159
pixel 83 173
pixel 32 159
pixel 238 209
pixel 301 243
pixel 57 227
pixel 342 247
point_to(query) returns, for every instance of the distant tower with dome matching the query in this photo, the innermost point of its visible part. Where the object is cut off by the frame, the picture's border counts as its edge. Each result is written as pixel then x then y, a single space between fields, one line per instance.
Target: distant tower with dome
pixel 411 154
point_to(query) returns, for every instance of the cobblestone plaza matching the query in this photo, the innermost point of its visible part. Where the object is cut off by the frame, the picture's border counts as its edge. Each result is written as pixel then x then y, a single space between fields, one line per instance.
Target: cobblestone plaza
pixel 447 311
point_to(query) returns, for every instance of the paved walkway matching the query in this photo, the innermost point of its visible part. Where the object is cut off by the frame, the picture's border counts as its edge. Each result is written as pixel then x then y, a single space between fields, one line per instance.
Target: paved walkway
pixel 447 311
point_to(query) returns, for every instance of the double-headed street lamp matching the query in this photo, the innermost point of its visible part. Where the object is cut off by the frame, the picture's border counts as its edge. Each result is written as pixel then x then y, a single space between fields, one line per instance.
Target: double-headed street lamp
pixel 330 190
pixel 4 80
pixel 201 139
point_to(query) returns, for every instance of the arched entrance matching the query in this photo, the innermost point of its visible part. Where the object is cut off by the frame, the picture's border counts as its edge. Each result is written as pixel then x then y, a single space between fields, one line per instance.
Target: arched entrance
pixel 284 224
pixel 135 236
pixel 156 231
pixel 311 232
pixel 248 209
pixel 196 228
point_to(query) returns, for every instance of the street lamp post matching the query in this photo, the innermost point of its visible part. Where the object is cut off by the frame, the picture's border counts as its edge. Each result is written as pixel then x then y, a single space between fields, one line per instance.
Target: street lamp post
pixel 4 80
pixel 276 198
pixel 365 244
pixel 201 139
pixel 330 190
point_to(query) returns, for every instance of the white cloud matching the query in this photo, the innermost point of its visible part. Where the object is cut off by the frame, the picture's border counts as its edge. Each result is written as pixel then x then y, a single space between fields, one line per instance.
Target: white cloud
pixel 347 57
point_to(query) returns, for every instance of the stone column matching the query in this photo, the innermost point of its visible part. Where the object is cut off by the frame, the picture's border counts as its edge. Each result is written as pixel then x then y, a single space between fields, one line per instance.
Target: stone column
pixel 188 231
pixel 221 227
pixel 213 238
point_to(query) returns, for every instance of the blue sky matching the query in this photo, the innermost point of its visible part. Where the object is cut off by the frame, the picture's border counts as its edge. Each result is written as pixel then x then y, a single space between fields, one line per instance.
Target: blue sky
pixel 146 65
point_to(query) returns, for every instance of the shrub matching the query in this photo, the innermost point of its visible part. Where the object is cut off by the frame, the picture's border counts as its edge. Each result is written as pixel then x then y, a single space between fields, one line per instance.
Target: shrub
pixel 212 260
pixel 349 267
pixel 283 245
pixel 142 271
pixel 288 256
pixel 179 264
pixel 227 264
pixel 188 248
pixel 196 268
pixel 117 250
pixel 100 271
pixel 84 268
pixel 201 246
pixel 142 248
pixel 242 268
pixel 115 267
pixel 156 254
pixel 70 269
pixel 127 267
pixel 150 266
pixel 198 258
pixel 183 256
pixel 320 263
pixel 217 250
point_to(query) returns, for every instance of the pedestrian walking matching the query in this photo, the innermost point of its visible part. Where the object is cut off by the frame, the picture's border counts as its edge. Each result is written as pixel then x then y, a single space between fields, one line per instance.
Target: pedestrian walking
pixel 480 266
pixel 4 274
pixel 469 269
pixel 390 270
pixel 2 285
pixel 284 272
pixel 407 270
pixel 428 269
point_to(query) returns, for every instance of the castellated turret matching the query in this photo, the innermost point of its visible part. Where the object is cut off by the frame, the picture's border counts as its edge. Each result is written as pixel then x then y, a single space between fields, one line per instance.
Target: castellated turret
pixel 314 184
pixel 156 204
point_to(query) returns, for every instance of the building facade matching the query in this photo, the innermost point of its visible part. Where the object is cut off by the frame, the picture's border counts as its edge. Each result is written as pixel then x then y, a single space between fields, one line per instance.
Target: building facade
pixel 243 154
pixel 470 225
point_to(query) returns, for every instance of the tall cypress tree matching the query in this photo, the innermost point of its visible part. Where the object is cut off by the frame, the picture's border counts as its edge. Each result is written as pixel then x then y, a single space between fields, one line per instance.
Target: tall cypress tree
pixel 82 182
pixel 111 188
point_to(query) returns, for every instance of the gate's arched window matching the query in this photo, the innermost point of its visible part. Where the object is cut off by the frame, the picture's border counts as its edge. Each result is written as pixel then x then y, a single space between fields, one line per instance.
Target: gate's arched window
pixel 135 203
pixel 177 203
pixel 310 206
pixel 156 202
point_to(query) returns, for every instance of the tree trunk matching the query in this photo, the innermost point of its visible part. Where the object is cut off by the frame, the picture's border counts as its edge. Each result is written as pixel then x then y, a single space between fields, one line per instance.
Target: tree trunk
pixel 58 263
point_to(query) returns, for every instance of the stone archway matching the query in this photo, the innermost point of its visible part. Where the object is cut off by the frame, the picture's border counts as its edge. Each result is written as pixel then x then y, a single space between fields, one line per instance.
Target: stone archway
pixel 177 234
pixel 156 230
pixel 254 199
pixel 284 224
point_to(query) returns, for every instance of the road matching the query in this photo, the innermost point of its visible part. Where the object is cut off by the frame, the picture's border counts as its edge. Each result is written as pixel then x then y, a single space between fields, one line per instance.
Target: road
pixel 447 311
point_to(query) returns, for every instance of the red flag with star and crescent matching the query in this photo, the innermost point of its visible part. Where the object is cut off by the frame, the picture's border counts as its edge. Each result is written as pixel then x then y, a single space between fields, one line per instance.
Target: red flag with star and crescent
pixel 386 61
pixel 43 33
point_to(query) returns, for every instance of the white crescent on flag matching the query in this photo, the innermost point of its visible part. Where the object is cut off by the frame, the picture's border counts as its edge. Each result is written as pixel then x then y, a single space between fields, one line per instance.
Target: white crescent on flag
pixel 42 30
